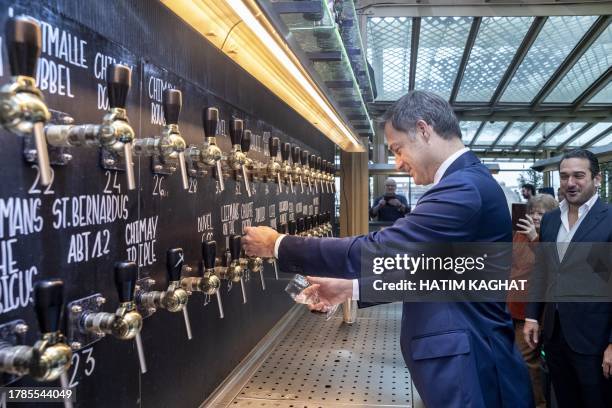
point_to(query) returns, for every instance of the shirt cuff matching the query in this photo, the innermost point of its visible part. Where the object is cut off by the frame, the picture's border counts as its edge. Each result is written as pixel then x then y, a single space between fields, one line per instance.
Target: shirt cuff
pixel 531 320
pixel 277 244
pixel 355 289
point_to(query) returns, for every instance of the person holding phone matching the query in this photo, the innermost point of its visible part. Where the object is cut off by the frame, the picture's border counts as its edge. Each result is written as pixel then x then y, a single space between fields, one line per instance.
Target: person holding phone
pixel 390 206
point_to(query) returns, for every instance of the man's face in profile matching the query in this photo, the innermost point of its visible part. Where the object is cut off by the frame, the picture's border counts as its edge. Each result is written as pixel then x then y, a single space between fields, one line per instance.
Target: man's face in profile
pixel 577 181
pixel 411 153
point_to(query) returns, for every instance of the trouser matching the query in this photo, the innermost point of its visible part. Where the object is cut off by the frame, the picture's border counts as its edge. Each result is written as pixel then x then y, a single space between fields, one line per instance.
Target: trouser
pixel 577 378
pixel 532 360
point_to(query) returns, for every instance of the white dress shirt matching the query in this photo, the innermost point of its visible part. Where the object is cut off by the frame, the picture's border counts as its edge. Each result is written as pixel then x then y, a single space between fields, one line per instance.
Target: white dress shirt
pixel 565 233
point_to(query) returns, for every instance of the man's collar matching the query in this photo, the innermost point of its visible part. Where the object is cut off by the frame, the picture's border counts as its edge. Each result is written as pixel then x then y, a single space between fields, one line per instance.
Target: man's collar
pixel 564 205
pixel 447 163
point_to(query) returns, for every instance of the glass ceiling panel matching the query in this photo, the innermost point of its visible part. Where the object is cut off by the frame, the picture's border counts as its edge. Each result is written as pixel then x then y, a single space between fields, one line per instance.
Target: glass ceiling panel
pixel 540 133
pixel 590 134
pixel 514 134
pixel 441 44
pixel 556 40
pixel 605 141
pixel 489 133
pixel 468 130
pixel 595 61
pixel 389 54
pixel 562 135
pixel 604 96
pixel 497 41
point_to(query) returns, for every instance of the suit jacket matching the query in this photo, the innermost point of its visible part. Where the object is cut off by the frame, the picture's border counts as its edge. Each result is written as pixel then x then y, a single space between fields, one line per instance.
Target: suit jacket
pixel 587 326
pixel 459 354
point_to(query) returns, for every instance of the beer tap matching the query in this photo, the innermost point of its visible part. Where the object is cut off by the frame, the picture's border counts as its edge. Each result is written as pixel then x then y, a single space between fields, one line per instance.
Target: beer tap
pixel 126 322
pixel 274 167
pixel 211 155
pixel 50 357
pixel 237 158
pixel 232 268
pixel 292 227
pixel 304 156
pixel 309 232
pixel 328 227
pixel 324 177
pixel 319 167
pixel 170 146
pixel 115 135
pixel 22 107
pixel 208 283
pixel 312 163
pixel 174 298
pixel 286 169
pixel 331 169
pixel 297 167
pixel 254 264
pixel 249 164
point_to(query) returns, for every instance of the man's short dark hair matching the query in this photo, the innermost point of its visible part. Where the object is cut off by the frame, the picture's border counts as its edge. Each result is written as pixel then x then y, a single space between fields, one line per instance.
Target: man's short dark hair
pixel 531 187
pixel 427 106
pixel 583 154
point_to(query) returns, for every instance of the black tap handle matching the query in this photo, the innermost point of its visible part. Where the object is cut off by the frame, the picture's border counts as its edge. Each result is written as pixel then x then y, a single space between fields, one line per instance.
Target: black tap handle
pixel 118 80
pixel 210 118
pixel 245 143
pixel 308 223
pixel 282 228
pixel 324 166
pixel 23 43
pixel 273 144
pixel 236 131
pixel 320 219
pixel 285 151
pixel 174 263
pixel 292 227
pixel 48 304
pixel 315 220
pixel 227 253
pixel 126 274
pixel 235 246
pixel 173 101
pixel 331 169
pixel 304 157
pixel 301 225
pixel 209 252
pixel 312 161
pixel 319 163
pixel 295 154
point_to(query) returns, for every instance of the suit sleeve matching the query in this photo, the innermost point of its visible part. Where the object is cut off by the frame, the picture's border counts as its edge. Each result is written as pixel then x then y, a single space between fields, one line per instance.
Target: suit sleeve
pixel 444 214
pixel 537 280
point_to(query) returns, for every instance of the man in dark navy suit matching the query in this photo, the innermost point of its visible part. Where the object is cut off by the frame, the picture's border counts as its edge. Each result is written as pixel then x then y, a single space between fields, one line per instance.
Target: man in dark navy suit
pixel 459 354
pixel 577 335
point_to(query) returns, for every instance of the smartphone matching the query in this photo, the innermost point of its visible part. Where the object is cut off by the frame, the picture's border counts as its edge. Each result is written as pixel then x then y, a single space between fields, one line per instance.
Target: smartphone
pixel 519 210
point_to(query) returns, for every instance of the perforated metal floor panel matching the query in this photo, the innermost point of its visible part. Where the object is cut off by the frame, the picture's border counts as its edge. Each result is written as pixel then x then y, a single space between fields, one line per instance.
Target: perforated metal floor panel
pixel 329 364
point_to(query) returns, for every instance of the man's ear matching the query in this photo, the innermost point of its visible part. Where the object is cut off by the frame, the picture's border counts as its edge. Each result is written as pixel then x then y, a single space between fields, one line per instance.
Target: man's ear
pixel 598 180
pixel 422 128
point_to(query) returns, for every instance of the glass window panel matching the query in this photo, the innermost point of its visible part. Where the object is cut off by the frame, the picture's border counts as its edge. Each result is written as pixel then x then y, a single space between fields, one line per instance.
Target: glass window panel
pixel 497 41
pixel 468 130
pixel 556 40
pixel 604 96
pixel 595 61
pixel 388 52
pixel 514 134
pixel 540 133
pixel 589 134
pixel 605 141
pixel 562 135
pixel 489 133
pixel 441 44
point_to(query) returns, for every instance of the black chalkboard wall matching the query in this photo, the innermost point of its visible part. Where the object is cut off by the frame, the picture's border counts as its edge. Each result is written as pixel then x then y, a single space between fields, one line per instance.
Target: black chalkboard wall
pixel 38 235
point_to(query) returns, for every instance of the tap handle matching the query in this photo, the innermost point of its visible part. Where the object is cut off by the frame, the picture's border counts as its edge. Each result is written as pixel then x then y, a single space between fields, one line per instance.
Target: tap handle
pixel 295 154
pixel 301 225
pixel 318 163
pixel 48 304
pixel 173 101
pixel 285 151
pixel 320 219
pixel 236 131
pixel 312 161
pixel 235 246
pixel 324 166
pixel 304 157
pixel 210 118
pixel 23 42
pixel 282 228
pixel 292 227
pixel 174 263
pixel 119 80
pixel 245 143
pixel 308 223
pixel 330 169
pixel 209 252
pixel 273 144
pixel 126 274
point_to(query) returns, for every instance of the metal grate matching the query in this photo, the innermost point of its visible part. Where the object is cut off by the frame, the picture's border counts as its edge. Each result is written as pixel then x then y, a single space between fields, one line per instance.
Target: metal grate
pixel 327 364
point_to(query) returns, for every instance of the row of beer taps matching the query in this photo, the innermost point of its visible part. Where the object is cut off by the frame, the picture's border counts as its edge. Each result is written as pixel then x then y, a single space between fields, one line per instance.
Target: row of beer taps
pixel 24 112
